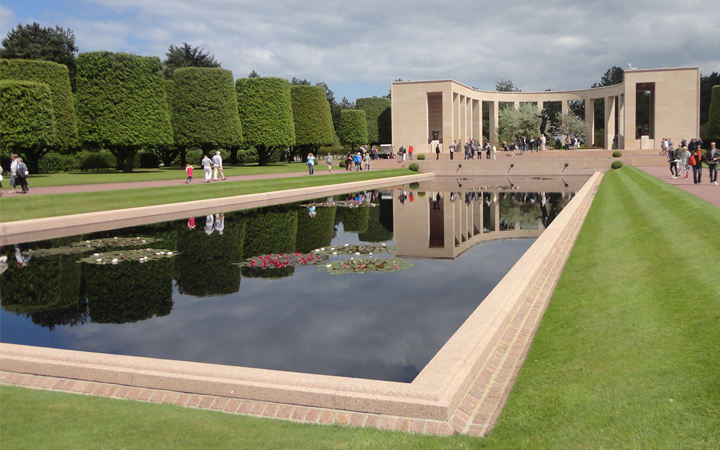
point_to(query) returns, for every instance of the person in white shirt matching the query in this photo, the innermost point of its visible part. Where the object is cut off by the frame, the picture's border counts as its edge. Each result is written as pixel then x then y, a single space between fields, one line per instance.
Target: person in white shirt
pixel 207 167
pixel 217 166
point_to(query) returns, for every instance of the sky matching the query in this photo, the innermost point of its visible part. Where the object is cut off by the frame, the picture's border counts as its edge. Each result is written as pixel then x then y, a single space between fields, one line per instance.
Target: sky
pixel 359 48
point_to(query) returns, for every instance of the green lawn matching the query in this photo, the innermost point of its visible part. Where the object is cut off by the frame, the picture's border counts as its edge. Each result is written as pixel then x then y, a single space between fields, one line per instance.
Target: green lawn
pixel 627 355
pixel 170 173
pixel 21 207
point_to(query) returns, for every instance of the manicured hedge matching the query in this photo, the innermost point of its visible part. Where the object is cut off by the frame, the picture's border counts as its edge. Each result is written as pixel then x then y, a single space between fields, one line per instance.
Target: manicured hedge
pixel 375 232
pixel 27 120
pixel 312 118
pixel 121 103
pixel 265 109
pixel 205 109
pixel 378 117
pixel 57 78
pixel 353 128
pixel 270 230
pixel 712 127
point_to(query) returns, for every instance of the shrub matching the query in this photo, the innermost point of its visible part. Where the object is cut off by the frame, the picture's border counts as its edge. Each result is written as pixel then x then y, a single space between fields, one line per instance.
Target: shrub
pixel 204 109
pixel 414 186
pixel 712 127
pixel 616 164
pixel 149 160
pixel 378 118
pixel 312 118
pixel 121 103
pixel 265 108
pixel 414 167
pixel 421 194
pixel 617 154
pixel 54 162
pixel 343 163
pixel 421 157
pixel 353 128
pixel 97 160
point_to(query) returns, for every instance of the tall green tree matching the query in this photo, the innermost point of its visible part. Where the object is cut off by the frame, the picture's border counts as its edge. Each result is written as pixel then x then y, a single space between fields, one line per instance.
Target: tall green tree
pixel 506 86
pixel 612 76
pixel 706 91
pixel 121 104
pixel 519 122
pixel 379 119
pixel 265 109
pixel 571 125
pixel 187 56
pixel 205 110
pixel 353 128
pixel 56 76
pixel 712 127
pixel 43 43
pixel 27 119
pixel 313 122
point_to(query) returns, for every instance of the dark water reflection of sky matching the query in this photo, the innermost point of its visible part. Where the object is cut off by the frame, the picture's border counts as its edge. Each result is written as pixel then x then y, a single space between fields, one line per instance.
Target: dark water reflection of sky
pixel 375 325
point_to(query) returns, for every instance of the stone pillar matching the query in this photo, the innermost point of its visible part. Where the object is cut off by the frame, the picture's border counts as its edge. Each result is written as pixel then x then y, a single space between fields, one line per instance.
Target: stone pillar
pixel 456 117
pixel 609 121
pixel 495 212
pixel 590 121
pixel 494 122
pixel 565 106
pixel 621 121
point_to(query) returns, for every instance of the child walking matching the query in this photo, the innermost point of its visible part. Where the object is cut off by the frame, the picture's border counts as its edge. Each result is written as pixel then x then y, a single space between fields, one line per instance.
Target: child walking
pixel 189 171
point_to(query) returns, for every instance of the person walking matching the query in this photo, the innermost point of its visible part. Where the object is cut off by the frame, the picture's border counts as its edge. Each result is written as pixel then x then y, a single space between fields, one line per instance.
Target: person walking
pixel 452 150
pixel 366 160
pixel 328 160
pixel 673 164
pixel 189 171
pixel 357 162
pixel 713 157
pixel 697 158
pixel 437 151
pixel 684 159
pixel 217 166
pixel 207 167
pixel 410 151
pixel 311 163
pixel 13 172
pixel 348 162
pixel 21 175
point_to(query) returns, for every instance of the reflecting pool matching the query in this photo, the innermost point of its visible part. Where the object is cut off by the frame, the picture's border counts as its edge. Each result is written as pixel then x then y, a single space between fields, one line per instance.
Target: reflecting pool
pixel 197 302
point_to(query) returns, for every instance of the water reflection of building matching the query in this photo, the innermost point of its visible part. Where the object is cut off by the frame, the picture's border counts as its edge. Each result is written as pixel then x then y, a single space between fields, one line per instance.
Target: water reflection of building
pixel 445 223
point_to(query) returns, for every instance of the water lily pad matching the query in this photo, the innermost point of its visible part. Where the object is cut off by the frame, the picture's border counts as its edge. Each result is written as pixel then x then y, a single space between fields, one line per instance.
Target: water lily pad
pixel 88 245
pixel 367 265
pixel 283 260
pixel 120 256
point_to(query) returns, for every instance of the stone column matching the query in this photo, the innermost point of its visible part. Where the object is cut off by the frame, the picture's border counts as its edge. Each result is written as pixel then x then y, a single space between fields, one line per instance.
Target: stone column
pixel 565 106
pixel 494 122
pixel 590 121
pixel 609 121
pixel 621 121
pixel 495 212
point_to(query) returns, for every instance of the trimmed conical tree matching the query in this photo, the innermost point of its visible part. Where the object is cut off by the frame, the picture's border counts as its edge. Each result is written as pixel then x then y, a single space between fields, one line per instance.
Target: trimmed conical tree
pixel 57 78
pixel 712 127
pixel 121 104
pixel 353 128
pixel 312 117
pixel 27 120
pixel 379 121
pixel 205 110
pixel 266 114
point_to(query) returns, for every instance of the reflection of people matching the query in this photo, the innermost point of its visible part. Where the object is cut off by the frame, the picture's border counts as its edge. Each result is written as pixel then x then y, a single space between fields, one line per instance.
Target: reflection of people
pixel 191 223
pixel 209 224
pixel 217 166
pixel 311 211
pixel 436 202
pixel 220 223
pixel 22 259
pixel 207 167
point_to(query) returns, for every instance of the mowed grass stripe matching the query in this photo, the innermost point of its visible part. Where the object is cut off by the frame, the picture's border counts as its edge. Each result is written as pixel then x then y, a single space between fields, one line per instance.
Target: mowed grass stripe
pixel 633 323
pixel 36 206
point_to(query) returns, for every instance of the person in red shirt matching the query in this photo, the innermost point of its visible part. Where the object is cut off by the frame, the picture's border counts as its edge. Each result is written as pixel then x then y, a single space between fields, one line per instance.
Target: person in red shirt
pixel 189 171
pixel 697 168
pixel 410 150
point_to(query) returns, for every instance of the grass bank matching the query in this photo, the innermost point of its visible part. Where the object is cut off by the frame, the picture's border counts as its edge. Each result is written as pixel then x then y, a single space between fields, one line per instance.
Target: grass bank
pixel 169 173
pixel 626 356
pixel 19 207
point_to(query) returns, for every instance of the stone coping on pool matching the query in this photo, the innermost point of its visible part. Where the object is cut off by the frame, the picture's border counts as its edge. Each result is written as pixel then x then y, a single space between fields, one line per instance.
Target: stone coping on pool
pixel 461 390
pixel 60 226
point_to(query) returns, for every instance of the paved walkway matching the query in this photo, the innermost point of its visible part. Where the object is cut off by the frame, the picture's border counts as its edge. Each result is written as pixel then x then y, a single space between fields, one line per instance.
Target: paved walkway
pixel 705 191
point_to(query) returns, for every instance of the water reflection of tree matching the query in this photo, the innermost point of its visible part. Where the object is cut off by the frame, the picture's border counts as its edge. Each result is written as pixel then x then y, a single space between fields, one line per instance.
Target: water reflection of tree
pixel 205 263
pixel 129 292
pixel 355 220
pixel 47 290
pixel 376 231
pixel 519 210
pixel 314 232
pixel 270 230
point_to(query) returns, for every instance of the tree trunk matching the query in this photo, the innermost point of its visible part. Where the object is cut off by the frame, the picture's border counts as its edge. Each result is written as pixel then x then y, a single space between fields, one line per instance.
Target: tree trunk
pixel 263 155
pixel 129 159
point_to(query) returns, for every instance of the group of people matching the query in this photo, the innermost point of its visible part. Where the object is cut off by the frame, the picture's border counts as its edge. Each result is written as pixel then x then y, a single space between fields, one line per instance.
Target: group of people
pixel 211 167
pixel 403 152
pixel 690 155
pixel 357 161
pixel 18 175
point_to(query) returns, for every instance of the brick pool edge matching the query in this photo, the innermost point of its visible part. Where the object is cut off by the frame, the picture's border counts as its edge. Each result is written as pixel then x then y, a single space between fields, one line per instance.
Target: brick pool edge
pixel 461 390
